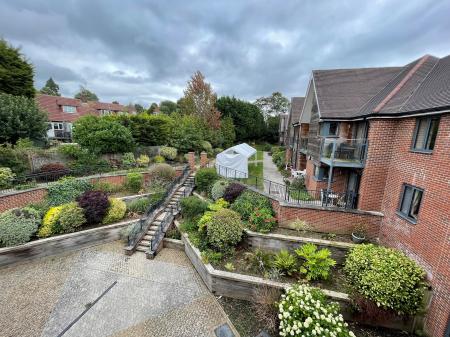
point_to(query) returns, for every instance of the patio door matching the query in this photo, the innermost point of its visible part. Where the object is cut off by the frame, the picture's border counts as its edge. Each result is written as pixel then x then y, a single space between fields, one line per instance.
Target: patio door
pixel 352 189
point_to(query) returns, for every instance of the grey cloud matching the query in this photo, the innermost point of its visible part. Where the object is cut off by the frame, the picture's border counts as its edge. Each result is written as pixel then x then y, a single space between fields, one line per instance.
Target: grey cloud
pixel 145 51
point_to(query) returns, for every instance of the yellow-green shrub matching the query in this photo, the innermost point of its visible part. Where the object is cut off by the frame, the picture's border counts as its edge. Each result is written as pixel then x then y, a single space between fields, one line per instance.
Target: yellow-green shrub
pixel 62 219
pixel 50 222
pixel 116 211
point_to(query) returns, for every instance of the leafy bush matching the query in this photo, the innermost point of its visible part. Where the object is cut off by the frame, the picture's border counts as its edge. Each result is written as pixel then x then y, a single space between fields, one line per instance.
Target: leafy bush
pixel 387 277
pixel 298 183
pixel 285 262
pixel 50 221
pixel 210 256
pixel 233 191
pixel 17 226
pixel 260 260
pixel 225 229
pixel 134 182
pixel 218 205
pixel 16 160
pixel 139 206
pixel 128 160
pixel 95 205
pixel 169 153
pixel 41 207
pixel 159 159
pixel 143 160
pixel 6 177
pixel 162 173
pixel 317 263
pixel 217 150
pixel 218 189
pixel 116 211
pixel 71 217
pixel 54 170
pixel 306 311
pixel 66 190
pixel 229 266
pixel 262 220
pixel 106 186
pixel 205 178
pixel 250 201
pixel 192 207
pixel 207 147
pixel 72 151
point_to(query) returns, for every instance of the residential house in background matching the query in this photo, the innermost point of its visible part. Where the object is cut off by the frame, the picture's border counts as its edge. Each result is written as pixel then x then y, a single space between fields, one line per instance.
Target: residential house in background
pixel 378 139
pixel 293 129
pixel 63 112
pixel 283 128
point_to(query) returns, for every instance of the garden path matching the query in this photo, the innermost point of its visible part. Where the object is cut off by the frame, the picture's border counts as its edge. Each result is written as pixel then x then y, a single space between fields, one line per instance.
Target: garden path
pixel 272 174
pixel 141 297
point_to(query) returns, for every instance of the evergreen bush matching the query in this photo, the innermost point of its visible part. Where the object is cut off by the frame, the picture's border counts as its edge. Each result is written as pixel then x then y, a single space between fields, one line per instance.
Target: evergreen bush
pixel 116 211
pixel 17 226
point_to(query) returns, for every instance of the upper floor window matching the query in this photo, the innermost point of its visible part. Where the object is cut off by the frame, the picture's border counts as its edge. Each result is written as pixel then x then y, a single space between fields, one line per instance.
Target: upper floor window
pixel 321 172
pixel 410 202
pixel 425 134
pixel 329 129
pixel 69 108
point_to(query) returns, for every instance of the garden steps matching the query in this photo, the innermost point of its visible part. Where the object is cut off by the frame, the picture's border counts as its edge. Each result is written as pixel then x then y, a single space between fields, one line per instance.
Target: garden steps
pixel 171 208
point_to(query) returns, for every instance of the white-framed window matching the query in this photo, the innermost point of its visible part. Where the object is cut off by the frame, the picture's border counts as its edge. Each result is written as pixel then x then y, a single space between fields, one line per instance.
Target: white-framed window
pixel 69 108
pixel 58 126
pixel 105 112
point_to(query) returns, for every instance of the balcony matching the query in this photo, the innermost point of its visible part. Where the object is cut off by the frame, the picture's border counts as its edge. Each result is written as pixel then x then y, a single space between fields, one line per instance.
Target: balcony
pixel 342 152
pixel 303 144
pixel 62 135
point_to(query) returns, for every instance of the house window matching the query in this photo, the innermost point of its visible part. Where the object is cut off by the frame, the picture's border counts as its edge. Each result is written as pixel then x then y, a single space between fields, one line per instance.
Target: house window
pixel 425 134
pixel 105 112
pixel 329 129
pixel 321 172
pixel 69 108
pixel 410 202
pixel 58 126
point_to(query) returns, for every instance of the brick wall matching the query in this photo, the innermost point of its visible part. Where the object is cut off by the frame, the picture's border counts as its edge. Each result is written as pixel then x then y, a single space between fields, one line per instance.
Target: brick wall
pixel 427 241
pixel 22 198
pixel 326 220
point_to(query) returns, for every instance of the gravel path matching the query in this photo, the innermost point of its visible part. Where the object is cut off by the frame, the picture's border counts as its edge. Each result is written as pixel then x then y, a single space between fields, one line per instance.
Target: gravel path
pixel 141 297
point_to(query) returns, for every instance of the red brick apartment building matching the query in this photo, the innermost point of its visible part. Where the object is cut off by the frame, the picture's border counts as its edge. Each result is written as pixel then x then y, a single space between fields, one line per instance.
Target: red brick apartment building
pixel 381 137
pixel 63 111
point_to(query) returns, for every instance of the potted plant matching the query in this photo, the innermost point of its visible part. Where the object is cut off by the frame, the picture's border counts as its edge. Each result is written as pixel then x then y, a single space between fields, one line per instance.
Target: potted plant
pixel 359 233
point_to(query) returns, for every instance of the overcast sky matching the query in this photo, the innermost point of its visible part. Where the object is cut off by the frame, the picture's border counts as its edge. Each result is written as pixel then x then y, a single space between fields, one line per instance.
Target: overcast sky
pixel 145 51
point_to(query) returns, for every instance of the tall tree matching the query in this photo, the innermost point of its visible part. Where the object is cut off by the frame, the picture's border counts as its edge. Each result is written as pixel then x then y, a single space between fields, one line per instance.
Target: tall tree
pixel 168 107
pixel 200 100
pixel 50 88
pixel 152 108
pixel 273 105
pixel 16 73
pixel 139 108
pixel 247 118
pixel 272 134
pixel 20 117
pixel 85 95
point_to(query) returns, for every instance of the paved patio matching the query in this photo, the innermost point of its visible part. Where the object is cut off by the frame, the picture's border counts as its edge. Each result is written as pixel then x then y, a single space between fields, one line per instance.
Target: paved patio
pixel 162 297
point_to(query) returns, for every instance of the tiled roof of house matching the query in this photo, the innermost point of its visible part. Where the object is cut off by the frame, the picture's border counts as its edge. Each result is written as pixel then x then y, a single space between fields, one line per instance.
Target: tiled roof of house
pixel 423 84
pixel 54 107
pixel 296 109
pixel 342 92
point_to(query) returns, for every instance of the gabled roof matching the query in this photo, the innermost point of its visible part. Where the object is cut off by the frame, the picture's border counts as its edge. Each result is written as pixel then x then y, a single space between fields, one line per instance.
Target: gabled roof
pixel 295 110
pixel 107 106
pixel 420 86
pixel 342 92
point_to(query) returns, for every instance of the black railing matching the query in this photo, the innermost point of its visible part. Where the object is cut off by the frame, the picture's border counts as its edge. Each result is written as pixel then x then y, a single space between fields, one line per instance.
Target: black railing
pixel 322 198
pixel 145 220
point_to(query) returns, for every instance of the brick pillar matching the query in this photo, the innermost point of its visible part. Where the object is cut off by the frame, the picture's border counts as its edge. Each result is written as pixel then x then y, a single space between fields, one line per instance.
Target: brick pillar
pixel 191 160
pixel 288 156
pixel 203 159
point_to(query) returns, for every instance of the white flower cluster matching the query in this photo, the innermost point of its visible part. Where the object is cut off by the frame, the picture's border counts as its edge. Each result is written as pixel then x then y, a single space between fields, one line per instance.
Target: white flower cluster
pixel 305 311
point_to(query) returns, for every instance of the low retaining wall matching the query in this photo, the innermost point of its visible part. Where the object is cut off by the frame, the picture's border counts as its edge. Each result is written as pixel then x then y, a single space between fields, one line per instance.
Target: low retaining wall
pixel 61 243
pixel 276 242
pixel 246 287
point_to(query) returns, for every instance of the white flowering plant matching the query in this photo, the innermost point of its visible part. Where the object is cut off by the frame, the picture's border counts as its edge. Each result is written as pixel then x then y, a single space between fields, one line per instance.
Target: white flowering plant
pixel 305 311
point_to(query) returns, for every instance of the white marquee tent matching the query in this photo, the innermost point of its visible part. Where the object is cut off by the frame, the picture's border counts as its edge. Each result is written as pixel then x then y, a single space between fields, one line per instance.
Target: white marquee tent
pixel 233 162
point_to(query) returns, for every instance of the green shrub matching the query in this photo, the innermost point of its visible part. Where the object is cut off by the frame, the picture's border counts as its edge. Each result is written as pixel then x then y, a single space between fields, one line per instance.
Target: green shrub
pixel 16 160
pixel 134 182
pixel 192 207
pixel 233 191
pixel 250 201
pixel 188 226
pixel 143 160
pixel 262 220
pixel 217 150
pixel 128 160
pixel 6 177
pixel 72 151
pixel 139 206
pixel 317 263
pixel 159 159
pixel 66 189
pixel 306 311
pixel 225 230
pixel 71 218
pixel 106 186
pixel 285 262
pixel 41 207
pixel 207 147
pixel 17 226
pixel 116 211
pixel 205 178
pixel 95 205
pixel 169 153
pixel 162 173
pixel 210 256
pixel 386 277
pixel 260 260
pixel 218 189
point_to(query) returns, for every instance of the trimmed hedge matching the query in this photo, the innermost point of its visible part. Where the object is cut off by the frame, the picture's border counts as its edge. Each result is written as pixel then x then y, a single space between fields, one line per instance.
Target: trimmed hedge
pixel 205 178
pixel 224 230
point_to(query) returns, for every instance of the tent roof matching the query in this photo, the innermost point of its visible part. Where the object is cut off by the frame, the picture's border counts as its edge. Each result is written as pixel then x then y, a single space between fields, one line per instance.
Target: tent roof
pixel 243 149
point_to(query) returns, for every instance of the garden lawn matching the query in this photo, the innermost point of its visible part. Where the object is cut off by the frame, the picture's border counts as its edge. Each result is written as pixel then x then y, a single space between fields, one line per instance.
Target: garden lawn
pixel 257 156
pixel 256 177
